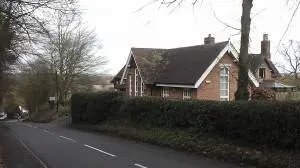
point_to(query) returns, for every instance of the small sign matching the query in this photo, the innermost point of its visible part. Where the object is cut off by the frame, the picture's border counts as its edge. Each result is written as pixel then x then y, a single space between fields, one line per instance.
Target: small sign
pixel 52 98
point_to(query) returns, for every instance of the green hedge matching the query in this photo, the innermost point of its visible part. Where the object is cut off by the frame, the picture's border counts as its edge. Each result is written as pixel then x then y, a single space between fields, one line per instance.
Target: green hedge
pixel 94 107
pixel 272 124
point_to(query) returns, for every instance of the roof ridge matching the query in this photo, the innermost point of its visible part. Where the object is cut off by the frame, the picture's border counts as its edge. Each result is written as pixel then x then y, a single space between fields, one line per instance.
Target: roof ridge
pixel 200 45
pixel 181 47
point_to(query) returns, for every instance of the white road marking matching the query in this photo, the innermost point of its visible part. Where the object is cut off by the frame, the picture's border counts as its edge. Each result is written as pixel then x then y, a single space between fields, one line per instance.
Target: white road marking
pixel 138 165
pixel 49 132
pixel 70 139
pixel 109 154
pixel 28 125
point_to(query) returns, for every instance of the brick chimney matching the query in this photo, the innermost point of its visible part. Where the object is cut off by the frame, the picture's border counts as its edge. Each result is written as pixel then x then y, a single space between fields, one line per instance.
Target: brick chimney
pixel 209 40
pixel 265 47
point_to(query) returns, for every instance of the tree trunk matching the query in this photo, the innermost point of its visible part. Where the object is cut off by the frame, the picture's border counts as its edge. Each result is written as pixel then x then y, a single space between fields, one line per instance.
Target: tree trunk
pixel 242 92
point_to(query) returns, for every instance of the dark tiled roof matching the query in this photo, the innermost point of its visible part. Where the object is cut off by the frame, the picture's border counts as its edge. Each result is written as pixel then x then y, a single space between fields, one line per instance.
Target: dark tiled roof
pixel 183 65
pixel 118 76
pixel 255 60
pixel 186 65
pixel 272 67
pixel 150 61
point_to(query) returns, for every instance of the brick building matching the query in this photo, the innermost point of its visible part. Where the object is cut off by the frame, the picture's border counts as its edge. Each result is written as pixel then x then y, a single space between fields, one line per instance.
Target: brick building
pixel 206 72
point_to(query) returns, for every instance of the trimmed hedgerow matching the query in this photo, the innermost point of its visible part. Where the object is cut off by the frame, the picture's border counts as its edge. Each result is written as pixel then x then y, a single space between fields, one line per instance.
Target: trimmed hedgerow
pixel 94 107
pixel 271 124
pixel 275 124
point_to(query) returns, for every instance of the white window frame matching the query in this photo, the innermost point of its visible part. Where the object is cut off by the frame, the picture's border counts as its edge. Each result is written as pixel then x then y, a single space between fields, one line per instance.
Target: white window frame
pixel 130 89
pixel 142 88
pixel 187 94
pixel 135 82
pixel 224 98
pixel 264 73
pixel 165 92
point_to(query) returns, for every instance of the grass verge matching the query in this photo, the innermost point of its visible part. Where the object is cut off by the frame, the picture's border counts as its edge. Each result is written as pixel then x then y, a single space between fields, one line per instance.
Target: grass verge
pixel 204 145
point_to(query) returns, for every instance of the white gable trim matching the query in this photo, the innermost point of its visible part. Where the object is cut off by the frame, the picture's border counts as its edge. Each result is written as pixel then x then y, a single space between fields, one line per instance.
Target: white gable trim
pixel 139 72
pixel 212 65
pixel 229 48
pixel 253 79
pixel 126 66
pixel 236 56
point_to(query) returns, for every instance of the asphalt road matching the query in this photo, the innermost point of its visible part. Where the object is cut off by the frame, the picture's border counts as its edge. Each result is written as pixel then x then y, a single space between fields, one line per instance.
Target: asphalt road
pixel 56 146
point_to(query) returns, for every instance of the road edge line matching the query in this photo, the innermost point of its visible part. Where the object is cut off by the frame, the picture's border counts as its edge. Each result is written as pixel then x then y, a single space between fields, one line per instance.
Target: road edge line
pixel 43 164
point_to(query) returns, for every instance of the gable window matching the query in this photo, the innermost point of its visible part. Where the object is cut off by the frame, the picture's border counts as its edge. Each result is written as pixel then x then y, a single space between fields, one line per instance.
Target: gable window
pixel 224 84
pixel 142 88
pixel 136 80
pixel 262 73
pixel 186 94
pixel 165 92
pixel 130 89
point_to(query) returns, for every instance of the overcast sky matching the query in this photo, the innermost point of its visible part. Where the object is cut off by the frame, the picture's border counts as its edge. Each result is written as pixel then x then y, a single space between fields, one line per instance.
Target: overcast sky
pixel 120 26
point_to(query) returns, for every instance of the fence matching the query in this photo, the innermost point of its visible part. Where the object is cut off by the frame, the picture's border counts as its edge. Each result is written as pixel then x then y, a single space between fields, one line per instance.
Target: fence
pixel 284 96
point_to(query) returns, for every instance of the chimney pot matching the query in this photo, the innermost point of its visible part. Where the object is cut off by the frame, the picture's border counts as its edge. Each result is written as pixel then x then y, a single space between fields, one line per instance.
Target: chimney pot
pixel 209 40
pixel 266 37
pixel 265 47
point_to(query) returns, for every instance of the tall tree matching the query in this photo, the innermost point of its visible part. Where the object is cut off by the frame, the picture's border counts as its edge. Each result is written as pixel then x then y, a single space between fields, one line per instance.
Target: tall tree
pixel 71 50
pixel 291 54
pixel 21 21
pixel 35 84
pixel 242 92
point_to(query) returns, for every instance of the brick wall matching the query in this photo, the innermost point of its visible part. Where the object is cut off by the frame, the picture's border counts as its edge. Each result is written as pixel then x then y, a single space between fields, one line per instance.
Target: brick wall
pixel 211 91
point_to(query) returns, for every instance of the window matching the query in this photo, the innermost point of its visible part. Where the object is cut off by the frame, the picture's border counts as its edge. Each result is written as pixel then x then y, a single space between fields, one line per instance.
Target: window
pixel 142 88
pixel 136 84
pixel 262 73
pixel 165 92
pixel 186 94
pixel 130 89
pixel 224 84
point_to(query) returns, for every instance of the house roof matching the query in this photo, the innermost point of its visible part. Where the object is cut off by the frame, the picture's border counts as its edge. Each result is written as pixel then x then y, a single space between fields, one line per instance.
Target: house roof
pixel 184 67
pixel 192 60
pixel 150 62
pixel 275 84
pixel 255 60
pixel 118 76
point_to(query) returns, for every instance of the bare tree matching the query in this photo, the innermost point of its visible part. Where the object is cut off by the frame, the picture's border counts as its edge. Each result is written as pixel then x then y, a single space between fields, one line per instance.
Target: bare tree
pixel 71 50
pixel 21 21
pixel 291 54
pixel 35 84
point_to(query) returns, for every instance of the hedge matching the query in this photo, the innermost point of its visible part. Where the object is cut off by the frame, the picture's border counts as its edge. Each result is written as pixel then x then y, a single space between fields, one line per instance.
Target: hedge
pixel 271 124
pixel 94 107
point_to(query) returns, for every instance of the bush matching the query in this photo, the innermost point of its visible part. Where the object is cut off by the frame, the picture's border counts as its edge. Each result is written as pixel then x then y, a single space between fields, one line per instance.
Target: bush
pixel 272 124
pixel 262 94
pixel 94 107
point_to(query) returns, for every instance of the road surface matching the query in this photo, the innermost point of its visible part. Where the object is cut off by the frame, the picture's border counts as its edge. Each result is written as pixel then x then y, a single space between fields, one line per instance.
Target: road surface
pixel 56 146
